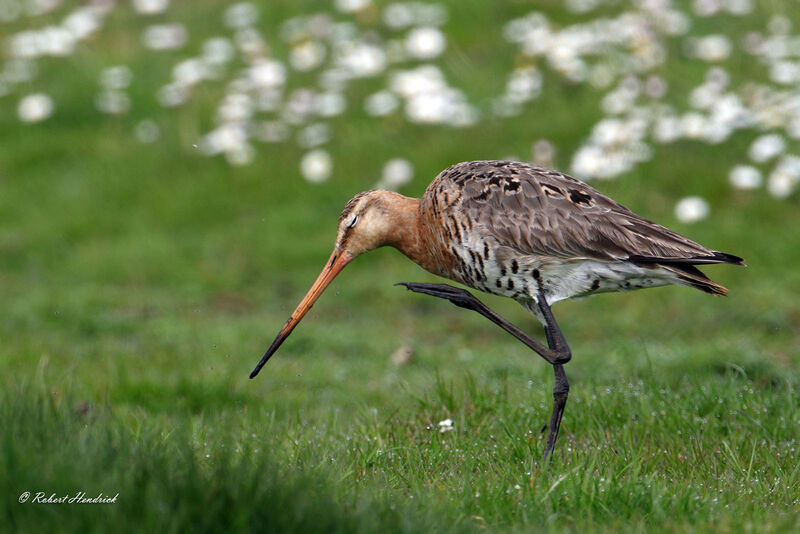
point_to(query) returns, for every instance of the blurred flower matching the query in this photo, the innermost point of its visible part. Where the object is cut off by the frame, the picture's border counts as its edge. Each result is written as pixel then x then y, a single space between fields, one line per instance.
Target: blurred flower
pixel 267 73
pixel 360 59
pixel 711 48
pixel 172 95
pixel 251 42
pixel 226 138
pixel 329 104
pixel 706 8
pixel 781 184
pixel 316 166
pixel 314 135
pixel 785 72
pixel 425 43
pixel 745 177
pixel 667 129
pixel 691 209
pixel 52 41
pixel 241 15
pixel 398 15
pixel 147 131
pixel 218 50
pixel 301 103
pixel 112 102
pixel 446 426
pixel 241 154
pixel 235 107
pixel 693 124
pixel 35 107
pixel 766 147
pixel 740 7
pixel 523 84
pixel 83 22
pixel 403 14
pixel 779 25
pixel 396 172
pixel 150 7
pixel 381 103
pixel 424 79
pixel 784 177
pixel 307 55
pixel 117 77
pixel 40 7
pixel 165 36
pixel 190 72
pixel 588 162
pixel 543 153
pixel 349 6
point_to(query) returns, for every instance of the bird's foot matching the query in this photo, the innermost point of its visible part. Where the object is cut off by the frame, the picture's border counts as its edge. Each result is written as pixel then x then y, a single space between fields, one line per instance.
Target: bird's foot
pixel 460 297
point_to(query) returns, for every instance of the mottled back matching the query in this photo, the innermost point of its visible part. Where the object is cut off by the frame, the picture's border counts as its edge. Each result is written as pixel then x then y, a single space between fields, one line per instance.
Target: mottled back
pixel 547 213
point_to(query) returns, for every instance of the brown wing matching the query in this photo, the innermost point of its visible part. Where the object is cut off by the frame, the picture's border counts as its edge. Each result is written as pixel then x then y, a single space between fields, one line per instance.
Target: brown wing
pixel 546 213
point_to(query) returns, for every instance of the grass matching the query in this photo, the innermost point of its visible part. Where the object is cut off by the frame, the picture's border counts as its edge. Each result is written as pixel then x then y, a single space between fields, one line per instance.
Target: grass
pixel 141 283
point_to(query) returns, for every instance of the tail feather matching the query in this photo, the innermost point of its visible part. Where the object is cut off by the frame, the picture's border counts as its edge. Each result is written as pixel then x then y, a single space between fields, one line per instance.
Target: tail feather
pixel 696 278
pixel 691 275
pixel 714 257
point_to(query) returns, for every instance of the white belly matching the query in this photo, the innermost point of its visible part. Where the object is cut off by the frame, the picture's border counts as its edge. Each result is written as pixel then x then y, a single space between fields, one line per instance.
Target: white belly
pixel 577 279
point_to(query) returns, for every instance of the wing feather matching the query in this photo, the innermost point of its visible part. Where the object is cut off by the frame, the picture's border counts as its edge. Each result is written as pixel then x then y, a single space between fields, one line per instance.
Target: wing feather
pixel 550 214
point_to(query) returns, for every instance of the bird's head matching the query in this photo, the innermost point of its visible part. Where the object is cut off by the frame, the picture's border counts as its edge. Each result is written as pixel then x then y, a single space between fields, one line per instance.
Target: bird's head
pixel 368 221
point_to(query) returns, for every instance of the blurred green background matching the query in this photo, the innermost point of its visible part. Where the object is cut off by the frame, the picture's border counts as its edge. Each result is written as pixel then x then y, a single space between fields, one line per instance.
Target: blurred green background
pixel 141 280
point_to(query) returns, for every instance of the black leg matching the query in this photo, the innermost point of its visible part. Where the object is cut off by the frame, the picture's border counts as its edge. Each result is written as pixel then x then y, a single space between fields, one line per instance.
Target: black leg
pixel 557 352
pixel 464 299
pixel 560 392
pixel 557 342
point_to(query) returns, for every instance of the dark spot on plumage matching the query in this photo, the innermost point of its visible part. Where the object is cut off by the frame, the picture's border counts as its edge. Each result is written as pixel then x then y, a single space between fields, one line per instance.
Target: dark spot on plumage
pixel 486 251
pixel 472 255
pixel 552 191
pixel 502 271
pixel 483 196
pixel 514 266
pixel 512 186
pixel 596 284
pixel 510 284
pixel 536 274
pixel 579 197
pixel 498 283
pixel 495 180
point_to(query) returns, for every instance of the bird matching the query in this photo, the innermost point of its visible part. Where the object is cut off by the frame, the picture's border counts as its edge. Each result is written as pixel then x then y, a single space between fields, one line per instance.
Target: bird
pixel 518 230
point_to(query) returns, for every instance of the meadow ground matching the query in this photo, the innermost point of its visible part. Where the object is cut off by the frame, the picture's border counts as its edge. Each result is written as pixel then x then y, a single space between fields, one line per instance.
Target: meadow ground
pixel 141 282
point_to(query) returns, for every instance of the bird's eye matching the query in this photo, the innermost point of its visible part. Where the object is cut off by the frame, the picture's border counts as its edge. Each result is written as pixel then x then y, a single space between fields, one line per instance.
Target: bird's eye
pixel 353 221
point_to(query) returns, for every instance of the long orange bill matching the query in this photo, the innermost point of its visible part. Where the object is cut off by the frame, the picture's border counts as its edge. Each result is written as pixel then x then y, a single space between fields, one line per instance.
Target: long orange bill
pixel 334 266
